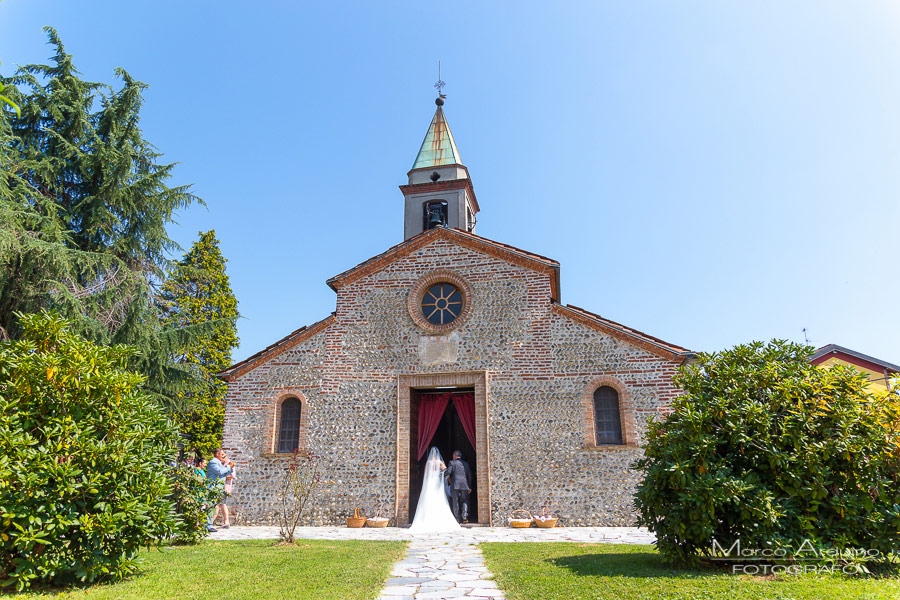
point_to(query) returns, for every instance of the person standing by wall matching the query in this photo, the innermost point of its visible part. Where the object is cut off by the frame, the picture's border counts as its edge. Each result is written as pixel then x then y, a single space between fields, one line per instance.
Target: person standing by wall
pixel 216 472
pixel 229 485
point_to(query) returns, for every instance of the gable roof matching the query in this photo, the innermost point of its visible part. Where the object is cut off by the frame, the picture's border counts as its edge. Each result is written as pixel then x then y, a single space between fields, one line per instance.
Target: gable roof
pixel 273 350
pixel 639 338
pixel 851 356
pixel 506 252
pixel 475 242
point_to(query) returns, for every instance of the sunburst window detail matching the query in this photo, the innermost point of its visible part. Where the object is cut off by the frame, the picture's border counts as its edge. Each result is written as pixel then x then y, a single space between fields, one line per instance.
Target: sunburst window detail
pixel 442 303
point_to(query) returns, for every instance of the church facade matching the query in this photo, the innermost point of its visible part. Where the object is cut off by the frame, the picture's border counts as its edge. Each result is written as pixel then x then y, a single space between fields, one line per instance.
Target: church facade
pixel 452 340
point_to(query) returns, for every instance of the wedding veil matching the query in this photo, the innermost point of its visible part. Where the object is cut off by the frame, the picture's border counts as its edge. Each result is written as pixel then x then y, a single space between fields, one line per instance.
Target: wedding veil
pixel 433 512
pixel 433 464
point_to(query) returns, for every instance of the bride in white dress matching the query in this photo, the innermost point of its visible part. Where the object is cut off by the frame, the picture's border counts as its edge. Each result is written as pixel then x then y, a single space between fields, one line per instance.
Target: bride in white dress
pixel 433 514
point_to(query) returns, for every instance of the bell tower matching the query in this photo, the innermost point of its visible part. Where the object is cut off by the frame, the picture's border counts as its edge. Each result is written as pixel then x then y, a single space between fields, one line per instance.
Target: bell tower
pixel 439 192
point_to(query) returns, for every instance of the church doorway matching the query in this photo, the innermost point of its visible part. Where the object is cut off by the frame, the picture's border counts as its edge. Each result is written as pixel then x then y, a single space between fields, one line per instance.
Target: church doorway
pixel 410 388
pixel 450 415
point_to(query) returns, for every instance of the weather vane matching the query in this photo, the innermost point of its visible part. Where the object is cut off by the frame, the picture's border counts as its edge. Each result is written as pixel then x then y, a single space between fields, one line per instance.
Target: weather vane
pixel 440 84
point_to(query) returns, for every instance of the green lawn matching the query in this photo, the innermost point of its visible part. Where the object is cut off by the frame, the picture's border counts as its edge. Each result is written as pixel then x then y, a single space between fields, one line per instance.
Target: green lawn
pixel 568 571
pixel 313 569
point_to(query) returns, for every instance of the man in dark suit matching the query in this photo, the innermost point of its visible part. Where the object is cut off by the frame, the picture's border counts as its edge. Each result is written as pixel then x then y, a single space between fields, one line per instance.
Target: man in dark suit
pixel 460 487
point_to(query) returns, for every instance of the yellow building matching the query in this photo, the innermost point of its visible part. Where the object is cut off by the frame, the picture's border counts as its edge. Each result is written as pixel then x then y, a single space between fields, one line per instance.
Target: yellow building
pixel 878 371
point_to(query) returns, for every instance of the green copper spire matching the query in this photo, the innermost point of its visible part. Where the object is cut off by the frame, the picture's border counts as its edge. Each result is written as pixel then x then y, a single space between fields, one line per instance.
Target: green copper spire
pixel 438 148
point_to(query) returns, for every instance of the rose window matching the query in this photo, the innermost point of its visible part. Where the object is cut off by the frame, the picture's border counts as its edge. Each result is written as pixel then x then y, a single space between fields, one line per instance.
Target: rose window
pixel 442 303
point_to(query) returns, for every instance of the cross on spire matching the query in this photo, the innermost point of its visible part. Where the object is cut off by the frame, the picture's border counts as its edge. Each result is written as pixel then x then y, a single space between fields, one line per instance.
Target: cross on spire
pixel 440 84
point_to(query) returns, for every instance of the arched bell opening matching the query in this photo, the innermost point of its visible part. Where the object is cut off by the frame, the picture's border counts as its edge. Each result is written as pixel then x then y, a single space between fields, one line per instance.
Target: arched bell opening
pixel 434 214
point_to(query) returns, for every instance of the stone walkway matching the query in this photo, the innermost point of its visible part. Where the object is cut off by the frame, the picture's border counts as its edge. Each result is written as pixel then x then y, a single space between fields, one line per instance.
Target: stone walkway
pixel 441 569
pixel 469 535
pixel 446 565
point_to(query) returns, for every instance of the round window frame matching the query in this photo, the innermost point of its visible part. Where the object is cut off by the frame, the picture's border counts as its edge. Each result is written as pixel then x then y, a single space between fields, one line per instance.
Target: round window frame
pixel 414 300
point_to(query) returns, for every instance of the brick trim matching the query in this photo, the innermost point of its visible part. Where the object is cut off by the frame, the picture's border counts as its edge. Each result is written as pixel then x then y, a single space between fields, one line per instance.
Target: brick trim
pixel 456 236
pixel 626 413
pixel 480 381
pixel 633 337
pixel 273 422
pixel 414 300
pixel 431 187
pixel 286 343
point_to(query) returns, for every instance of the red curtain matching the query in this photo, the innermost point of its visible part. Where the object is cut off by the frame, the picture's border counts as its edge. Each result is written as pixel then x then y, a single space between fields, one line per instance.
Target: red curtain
pixel 431 409
pixel 465 408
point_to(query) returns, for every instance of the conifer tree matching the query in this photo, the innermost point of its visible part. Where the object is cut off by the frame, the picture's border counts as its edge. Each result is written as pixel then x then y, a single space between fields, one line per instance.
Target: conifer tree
pixel 84 204
pixel 198 292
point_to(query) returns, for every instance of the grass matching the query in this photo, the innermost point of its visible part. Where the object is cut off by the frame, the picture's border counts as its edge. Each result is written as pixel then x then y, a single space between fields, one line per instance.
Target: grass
pixel 313 569
pixel 539 571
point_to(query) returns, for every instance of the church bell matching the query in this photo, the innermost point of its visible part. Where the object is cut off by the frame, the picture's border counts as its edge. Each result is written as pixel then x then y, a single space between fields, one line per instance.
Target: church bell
pixel 435 219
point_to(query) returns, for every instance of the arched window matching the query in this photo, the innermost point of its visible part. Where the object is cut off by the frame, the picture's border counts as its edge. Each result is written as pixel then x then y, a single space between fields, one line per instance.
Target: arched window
pixel 289 429
pixel 607 421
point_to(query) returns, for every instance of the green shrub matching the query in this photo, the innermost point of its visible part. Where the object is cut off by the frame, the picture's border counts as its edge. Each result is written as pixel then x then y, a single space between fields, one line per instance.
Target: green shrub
pixel 765 448
pixel 194 499
pixel 83 458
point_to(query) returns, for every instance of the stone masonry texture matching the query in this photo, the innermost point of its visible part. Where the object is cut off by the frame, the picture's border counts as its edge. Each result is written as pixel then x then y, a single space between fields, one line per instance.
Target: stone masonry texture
pixel 540 366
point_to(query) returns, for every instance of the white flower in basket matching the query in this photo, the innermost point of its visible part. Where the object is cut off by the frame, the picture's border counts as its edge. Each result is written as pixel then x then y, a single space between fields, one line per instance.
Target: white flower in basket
pixel 377 520
pixel 519 518
pixel 545 520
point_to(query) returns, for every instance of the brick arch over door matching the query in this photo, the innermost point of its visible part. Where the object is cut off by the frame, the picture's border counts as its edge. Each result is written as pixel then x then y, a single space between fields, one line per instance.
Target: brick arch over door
pixel 273 422
pixel 626 412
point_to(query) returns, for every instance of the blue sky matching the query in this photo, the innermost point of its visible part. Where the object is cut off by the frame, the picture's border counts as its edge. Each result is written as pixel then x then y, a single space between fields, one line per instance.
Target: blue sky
pixel 707 172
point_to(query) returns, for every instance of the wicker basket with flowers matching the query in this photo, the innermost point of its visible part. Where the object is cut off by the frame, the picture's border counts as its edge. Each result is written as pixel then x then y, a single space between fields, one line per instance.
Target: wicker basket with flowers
pixel 520 518
pixel 545 520
pixel 356 520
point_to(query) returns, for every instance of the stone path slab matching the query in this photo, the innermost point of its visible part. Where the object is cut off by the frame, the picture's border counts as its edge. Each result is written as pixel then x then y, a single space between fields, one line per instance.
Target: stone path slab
pixel 436 569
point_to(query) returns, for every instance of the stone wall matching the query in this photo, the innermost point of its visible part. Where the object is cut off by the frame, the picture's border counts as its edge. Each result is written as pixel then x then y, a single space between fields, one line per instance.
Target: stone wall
pixel 540 365
pixel 538 453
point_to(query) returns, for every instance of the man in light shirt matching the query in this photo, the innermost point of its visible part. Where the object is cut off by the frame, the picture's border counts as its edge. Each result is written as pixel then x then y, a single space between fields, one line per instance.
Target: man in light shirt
pixel 216 472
